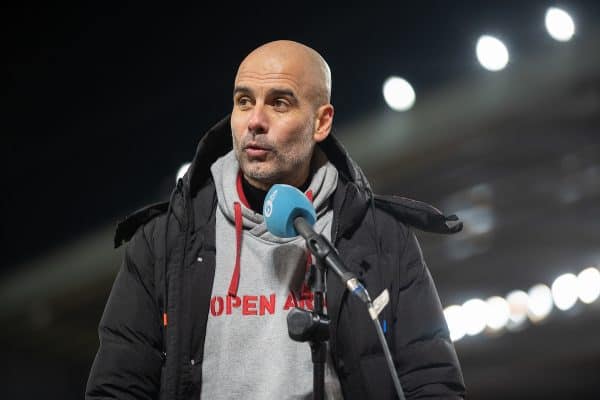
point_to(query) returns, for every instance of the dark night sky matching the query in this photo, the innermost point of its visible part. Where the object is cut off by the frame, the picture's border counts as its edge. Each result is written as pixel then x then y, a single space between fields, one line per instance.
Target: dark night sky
pixel 104 104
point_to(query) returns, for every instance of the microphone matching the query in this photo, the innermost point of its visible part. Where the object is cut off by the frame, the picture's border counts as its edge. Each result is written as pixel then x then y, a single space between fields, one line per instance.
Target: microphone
pixel 289 213
pixel 283 204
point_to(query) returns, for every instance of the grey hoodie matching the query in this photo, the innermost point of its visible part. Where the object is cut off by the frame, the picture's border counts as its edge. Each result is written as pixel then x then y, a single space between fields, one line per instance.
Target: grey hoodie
pixel 247 352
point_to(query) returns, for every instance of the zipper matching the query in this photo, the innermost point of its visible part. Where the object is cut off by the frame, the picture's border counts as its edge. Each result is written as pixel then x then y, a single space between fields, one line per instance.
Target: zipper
pixel 334 238
pixel 336 227
pixel 184 289
pixel 178 189
pixel 165 270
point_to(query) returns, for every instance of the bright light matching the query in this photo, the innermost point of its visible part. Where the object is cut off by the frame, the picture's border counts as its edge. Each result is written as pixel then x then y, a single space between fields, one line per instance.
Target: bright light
pixel 498 313
pixel 517 304
pixel 564 291
pixel 559 24
pixel 540 302
pixel 475 316
pixel 491 53
pixel 455 321
pixel 398 94
pixel 588 285
pixel 182 170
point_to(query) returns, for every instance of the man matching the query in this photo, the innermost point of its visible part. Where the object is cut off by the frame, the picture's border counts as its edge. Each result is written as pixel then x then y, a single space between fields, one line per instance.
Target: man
pixel 199 306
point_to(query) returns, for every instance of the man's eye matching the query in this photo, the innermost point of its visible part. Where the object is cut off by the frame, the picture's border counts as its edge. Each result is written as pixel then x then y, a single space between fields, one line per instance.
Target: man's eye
pixel 281 104
pixel 243 101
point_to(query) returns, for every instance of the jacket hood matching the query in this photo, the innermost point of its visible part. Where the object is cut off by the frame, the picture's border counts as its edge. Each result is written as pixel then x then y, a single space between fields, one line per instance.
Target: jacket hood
pixel 227 178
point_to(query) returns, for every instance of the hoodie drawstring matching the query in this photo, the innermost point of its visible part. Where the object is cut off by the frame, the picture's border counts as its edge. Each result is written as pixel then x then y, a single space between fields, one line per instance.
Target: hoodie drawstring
pixel 305 292
pixel 235 277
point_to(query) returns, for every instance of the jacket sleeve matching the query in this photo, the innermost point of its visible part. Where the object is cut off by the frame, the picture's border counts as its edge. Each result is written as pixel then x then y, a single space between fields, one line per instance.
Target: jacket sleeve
pixel 427 363
pixel 128 362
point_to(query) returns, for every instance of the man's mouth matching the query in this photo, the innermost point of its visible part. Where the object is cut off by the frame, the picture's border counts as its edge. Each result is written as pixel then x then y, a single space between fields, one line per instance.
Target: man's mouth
pixel 256 150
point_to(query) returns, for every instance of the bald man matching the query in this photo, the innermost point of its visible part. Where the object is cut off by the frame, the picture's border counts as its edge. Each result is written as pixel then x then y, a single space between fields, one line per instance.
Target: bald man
pixel 280 111
pixel 198 309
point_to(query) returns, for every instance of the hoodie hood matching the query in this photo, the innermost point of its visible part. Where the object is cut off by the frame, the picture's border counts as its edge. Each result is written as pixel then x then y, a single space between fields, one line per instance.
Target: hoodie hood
pixel 226 173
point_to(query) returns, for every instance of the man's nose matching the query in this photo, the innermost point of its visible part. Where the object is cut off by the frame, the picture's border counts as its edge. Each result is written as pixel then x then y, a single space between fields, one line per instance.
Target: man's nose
pixel 259 121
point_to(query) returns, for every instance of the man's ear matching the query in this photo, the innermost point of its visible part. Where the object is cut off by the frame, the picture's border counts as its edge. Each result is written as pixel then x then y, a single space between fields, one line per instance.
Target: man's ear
pixel 324 122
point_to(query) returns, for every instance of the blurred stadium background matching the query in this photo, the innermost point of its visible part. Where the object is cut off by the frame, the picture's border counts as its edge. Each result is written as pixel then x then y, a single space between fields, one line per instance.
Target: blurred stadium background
pixel 491 110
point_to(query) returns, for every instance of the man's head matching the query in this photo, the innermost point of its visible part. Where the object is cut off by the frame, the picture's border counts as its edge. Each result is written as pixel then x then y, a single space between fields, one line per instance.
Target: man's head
pixel 280 111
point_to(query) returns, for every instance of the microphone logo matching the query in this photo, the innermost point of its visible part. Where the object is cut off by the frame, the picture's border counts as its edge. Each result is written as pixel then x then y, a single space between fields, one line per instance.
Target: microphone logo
pixel 268 207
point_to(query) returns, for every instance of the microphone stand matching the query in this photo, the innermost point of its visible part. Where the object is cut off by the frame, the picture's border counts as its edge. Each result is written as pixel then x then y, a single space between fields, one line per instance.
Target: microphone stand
pixel 313 327
pixel 325 253
pixel 318 348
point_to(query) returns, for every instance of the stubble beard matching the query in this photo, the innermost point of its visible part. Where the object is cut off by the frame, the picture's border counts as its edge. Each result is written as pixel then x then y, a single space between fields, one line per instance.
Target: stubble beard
pixel 282 165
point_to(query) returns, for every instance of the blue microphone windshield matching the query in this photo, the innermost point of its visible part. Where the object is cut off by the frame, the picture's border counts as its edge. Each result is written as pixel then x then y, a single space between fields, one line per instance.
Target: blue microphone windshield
pixel 283 204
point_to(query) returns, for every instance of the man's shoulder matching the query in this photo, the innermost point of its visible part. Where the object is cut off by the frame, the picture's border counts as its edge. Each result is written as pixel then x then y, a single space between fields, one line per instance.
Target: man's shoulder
pixel 417 214
pixel 148 217
pixel 144 216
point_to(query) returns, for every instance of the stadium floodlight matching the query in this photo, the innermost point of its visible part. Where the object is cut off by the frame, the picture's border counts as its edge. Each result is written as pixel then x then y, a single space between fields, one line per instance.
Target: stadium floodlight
pixel 475 313
pixel 540 302
pixel 491 53
pixel 398 94
pixel 559 24
pixel 498 313
pixel 588 283
pixel 455 320
pixel 564 291
pixel 518 302
pixel 182 170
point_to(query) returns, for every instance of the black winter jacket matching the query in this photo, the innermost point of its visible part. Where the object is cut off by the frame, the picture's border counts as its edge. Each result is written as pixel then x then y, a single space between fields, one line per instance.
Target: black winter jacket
pixel 139 358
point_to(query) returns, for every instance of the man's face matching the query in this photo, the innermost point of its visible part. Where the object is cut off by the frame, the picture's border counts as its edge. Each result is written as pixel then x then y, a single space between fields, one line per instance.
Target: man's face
pixel 272 122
